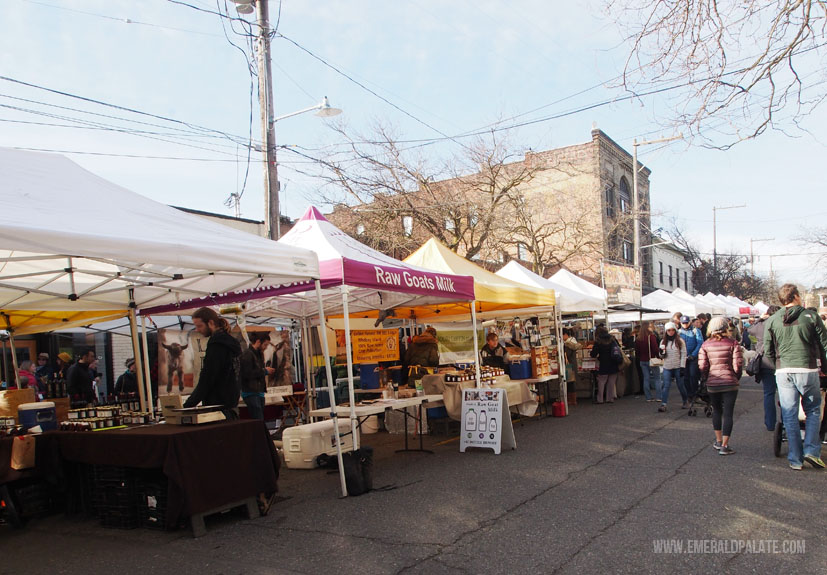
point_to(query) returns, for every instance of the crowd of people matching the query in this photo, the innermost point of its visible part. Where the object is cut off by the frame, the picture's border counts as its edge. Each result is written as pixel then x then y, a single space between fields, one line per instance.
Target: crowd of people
pixel 705 356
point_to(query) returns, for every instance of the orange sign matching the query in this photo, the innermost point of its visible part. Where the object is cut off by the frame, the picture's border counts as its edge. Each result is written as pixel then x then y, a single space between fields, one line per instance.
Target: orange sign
pixel 375 345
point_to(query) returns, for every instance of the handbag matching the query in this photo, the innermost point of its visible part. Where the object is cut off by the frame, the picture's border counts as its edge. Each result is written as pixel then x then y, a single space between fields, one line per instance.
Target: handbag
pixel 754 365
pixel 653 361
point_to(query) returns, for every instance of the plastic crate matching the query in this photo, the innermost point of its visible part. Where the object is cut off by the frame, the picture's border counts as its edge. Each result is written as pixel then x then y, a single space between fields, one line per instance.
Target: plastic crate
pixel 32 499
pixel 152 503
pixel 116 505
pixel 105 474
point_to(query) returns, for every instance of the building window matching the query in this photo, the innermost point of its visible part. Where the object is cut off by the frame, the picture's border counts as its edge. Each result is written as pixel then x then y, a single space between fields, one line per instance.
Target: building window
pixel 670 276
pixel 685 282
pixel 522 252
pixel 678 277
pixel 407 225
pixel 660 267
pixel 360 229
pixel 610 201
pixel 625 197
pixel 627 252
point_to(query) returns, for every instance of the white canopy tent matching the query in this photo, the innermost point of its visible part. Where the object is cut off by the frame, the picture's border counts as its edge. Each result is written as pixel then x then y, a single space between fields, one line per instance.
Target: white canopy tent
pixel 567 279
pixel 717 307
pixel 79 247
pixel 693 306
pixel 568 300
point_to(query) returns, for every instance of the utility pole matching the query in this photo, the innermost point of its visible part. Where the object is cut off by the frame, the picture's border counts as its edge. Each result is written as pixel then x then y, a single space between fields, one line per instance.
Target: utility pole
pixel 635 201
pixel 751 257
pixel 272 219
pixel 715 235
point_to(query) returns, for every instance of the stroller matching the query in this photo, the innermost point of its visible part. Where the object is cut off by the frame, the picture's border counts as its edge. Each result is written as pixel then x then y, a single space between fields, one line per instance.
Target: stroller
pixel 700 400
pixel 779 436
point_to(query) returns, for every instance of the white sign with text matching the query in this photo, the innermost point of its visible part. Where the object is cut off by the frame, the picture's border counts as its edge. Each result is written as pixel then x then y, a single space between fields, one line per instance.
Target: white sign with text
pixel 486 420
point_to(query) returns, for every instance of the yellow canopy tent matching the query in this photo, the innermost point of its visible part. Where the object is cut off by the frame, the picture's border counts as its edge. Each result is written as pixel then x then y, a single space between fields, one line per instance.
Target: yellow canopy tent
pixel 493 293
pixel 24 322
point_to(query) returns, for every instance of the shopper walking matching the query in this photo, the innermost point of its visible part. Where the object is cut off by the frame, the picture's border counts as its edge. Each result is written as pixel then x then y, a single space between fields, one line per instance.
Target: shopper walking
pixel 693 340
pixel 646 348
pixel 720 362
pixel 795 340
pixel 608 352
pixel 673 351
pixel 766 372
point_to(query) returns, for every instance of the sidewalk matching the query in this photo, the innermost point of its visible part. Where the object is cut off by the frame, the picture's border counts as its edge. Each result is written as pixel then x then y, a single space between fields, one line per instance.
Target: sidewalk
pixel 590 493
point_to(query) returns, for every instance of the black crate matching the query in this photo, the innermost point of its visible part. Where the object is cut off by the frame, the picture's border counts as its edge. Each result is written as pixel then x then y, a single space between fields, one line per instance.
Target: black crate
pixel 32 498
pixel 112 474
pixel 152 503
pixel 116 505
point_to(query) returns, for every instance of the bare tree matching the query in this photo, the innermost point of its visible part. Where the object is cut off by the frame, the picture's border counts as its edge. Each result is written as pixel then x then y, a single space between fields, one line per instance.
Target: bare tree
pixel 816 238
pixel 733 68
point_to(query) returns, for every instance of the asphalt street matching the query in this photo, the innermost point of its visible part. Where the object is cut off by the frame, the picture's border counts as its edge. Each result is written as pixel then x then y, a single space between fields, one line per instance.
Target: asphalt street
pixel 595 492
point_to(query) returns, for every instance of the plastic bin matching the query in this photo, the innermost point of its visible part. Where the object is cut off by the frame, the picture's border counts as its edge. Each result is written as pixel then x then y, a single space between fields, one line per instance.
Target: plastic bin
pixel 304 443
pixel 368 377
pixel 43 414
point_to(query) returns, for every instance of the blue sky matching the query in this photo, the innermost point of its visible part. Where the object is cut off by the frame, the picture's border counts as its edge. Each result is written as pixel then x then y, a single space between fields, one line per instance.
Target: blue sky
pixel 454 66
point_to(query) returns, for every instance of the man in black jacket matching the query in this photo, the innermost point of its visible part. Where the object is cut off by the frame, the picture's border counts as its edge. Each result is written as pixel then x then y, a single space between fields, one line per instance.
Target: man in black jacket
pixel 79 379
pixel 254 374
pixel 220 379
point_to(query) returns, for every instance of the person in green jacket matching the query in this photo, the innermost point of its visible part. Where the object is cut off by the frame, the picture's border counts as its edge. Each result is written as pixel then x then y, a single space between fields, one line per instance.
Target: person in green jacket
pixel 795 340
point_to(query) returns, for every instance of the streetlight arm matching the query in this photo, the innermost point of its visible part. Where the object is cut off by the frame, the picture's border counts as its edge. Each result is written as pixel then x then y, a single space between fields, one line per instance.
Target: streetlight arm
pixel 310 109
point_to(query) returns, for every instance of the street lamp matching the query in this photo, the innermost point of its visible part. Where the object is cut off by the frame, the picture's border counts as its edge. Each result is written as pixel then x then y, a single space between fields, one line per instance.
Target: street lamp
pixel 715 235
pixel 272 213
pixel 635 202
pixel 751 257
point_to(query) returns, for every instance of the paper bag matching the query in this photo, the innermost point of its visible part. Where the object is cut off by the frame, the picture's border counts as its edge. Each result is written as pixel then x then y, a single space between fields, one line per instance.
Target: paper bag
pixel 22 452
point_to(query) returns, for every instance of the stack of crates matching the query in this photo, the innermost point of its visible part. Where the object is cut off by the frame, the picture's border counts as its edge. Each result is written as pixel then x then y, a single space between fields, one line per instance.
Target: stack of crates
pixel 152 502
pixel 114 496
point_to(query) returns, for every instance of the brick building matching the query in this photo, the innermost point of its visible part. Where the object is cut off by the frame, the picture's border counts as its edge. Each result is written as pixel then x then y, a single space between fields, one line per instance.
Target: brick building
pixel 585 189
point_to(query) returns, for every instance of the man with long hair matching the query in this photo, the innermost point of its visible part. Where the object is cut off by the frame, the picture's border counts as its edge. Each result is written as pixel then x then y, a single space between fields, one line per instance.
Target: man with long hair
pixel 220 379
pixel 795 340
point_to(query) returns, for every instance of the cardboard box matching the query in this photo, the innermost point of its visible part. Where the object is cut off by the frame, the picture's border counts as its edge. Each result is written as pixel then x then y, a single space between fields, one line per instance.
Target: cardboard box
pixel 184 418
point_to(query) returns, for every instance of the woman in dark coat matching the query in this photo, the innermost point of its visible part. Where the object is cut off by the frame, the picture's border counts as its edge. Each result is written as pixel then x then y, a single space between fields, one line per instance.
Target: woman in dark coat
pixel 603 350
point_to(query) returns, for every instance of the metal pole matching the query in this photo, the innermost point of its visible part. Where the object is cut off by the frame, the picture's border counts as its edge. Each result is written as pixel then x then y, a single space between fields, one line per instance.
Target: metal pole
pixel 751 258
pixel 715 241
pixel 136 353
pixel 147 372
pixel 14 365
pixel 354 427
pixel 268 131
pixel 308 369
pixel 330 389
pixel 636 257
pixel 476 347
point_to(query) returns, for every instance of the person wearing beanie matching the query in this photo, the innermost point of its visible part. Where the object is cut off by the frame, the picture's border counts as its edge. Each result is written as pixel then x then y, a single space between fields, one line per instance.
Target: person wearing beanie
pixel 127 381
pixel 721 364
pixel 694 340
pixel 673 352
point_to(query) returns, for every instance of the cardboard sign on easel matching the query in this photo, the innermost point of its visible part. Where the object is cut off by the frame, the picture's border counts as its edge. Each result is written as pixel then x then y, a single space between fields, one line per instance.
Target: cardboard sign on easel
pixel 486 420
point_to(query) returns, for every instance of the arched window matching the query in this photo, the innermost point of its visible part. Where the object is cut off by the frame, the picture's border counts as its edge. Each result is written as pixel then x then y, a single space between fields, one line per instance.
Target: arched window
pixel 610 201
pixel 360 229
pixel 625 197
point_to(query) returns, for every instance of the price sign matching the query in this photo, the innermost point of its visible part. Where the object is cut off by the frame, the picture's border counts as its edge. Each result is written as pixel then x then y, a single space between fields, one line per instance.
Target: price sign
pixel 486 420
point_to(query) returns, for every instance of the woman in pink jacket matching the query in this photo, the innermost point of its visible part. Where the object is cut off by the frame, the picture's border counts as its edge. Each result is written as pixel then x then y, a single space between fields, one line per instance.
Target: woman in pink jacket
pixel 720 363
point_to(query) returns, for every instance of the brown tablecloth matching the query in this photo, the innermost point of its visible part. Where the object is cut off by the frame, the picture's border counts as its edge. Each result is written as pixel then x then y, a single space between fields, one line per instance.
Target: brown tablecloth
pixel 207 465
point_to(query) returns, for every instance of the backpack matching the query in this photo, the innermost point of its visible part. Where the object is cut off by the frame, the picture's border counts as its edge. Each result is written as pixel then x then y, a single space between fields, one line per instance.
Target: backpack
pixel 358 470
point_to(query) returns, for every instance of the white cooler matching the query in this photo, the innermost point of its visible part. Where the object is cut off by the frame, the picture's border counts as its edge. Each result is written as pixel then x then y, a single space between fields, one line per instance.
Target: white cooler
pixel 304 443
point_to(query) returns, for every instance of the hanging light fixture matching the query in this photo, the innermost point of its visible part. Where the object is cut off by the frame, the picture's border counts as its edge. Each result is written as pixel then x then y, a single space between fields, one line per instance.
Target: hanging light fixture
pixel 244 6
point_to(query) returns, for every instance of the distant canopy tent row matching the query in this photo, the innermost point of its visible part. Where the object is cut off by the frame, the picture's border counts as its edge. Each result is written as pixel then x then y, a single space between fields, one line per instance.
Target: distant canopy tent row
pixel 572 298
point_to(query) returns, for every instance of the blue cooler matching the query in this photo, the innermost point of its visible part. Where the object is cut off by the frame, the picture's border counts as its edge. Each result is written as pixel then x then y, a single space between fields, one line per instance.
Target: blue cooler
pixel 520 369
pixel 42 414
pixel 368 378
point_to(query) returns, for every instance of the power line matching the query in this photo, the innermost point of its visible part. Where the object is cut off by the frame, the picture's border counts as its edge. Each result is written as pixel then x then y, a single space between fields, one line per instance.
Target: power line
pixel 117 107
pixel 110 154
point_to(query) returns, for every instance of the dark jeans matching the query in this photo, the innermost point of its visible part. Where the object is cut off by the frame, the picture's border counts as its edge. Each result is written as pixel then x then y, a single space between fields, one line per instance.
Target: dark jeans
pixel 768 381
pixel 255 406
pixel 723 404
pixel 691 376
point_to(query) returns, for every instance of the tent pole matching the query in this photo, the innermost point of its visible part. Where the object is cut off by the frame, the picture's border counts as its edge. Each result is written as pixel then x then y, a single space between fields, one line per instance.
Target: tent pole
pixel 136 353
pixel 310 387
pixel 561 358
pixel 147 372
pixel 330 388
pixel 14 365
pixel 476 347
pixel 354 428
